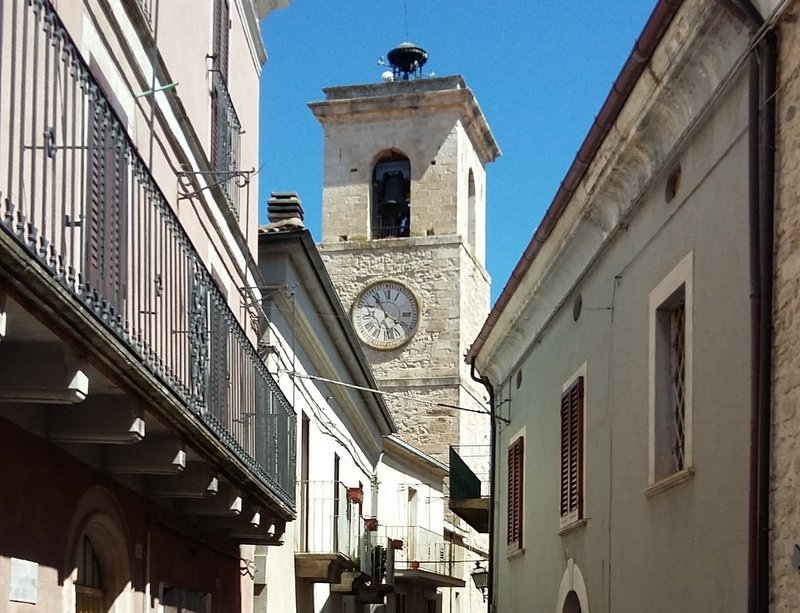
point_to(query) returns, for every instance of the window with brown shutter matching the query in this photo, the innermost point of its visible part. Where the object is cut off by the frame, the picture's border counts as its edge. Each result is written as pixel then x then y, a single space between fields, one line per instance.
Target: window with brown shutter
pixel 571 499
pixel 516 459
pixel 106 217
pixel 219 82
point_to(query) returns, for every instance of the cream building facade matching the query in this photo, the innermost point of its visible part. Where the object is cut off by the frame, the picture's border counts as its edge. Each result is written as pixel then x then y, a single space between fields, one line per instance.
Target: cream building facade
pixel 632 351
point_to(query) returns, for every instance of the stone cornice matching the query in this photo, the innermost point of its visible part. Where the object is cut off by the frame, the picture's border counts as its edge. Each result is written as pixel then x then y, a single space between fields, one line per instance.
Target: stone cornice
pixel 403 99
pixel 693 62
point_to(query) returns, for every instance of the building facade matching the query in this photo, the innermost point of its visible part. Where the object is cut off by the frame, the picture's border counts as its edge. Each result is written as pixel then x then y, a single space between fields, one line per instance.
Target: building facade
pixel 147 447
pixel 626 353
pixel 311 348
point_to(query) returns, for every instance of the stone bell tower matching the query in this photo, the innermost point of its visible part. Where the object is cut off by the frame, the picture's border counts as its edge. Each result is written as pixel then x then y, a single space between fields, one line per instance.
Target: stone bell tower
pixel 403 238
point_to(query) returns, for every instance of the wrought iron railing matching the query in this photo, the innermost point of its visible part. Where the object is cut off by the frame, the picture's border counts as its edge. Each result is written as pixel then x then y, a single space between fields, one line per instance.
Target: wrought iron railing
pixel 329 520
pixel 75 194
pixel 417 548
pixel 226 139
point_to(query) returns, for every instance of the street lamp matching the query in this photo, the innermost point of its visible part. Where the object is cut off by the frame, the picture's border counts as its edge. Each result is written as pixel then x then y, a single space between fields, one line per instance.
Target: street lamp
pixel 480 577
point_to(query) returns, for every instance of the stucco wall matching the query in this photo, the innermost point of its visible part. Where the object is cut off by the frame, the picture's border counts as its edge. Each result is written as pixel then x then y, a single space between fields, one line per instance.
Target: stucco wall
pixel 43 488
pixel 683 548
pixel 785 518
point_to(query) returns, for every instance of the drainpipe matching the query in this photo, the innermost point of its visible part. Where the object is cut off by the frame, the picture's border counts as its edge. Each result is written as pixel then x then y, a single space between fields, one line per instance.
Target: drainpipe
pixel 761 196
pixel 490 606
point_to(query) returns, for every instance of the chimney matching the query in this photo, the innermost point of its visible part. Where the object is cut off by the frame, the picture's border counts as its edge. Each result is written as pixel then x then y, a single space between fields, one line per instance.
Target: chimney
pixel 284 205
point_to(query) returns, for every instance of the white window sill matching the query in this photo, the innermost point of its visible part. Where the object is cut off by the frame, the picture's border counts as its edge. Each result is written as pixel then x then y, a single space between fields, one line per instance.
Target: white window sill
pixel 515 553
pixel 569 527
pixel 668 482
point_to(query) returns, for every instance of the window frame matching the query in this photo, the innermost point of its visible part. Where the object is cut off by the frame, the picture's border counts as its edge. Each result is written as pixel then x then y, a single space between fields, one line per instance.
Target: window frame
pixel 515 495
pixel 661 302
pixel 572 514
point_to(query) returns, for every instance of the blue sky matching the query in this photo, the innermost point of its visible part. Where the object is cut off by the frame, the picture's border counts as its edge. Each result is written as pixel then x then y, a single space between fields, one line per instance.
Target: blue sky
pixel 540 70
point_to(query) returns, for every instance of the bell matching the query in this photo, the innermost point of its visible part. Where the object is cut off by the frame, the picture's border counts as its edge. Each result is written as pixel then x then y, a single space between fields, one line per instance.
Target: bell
pixel 393 188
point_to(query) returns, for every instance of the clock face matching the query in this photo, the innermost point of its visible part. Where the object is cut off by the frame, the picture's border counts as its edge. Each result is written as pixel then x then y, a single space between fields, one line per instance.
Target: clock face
pixel 385 315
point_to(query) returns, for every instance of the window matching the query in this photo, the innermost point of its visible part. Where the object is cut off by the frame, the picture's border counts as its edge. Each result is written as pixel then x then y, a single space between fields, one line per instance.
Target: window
pixel 516 461
pixel 225 125
pixel 571 481
pixel 670 376
pixel 89 594
pixel 391 197
pixel 471 211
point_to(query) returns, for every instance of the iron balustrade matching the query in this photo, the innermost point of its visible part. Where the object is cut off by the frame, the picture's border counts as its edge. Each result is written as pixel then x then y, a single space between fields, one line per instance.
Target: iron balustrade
pixel 420 548
pixel 76 195
pixel 330 522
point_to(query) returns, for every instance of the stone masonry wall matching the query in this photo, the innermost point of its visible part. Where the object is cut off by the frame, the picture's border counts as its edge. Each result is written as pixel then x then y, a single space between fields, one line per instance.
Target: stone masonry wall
pixel 785 516
pixel 429 364
pixel 351 151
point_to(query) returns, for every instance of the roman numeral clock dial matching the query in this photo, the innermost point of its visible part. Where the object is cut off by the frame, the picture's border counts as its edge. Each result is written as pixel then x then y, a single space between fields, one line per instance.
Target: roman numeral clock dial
pixel 385 315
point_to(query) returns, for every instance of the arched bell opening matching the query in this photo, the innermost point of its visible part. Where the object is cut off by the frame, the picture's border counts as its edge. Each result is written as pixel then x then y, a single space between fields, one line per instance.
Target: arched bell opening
pixel 391 197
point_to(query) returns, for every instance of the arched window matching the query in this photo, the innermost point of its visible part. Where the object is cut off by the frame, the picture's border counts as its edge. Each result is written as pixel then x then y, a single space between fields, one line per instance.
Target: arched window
pixel 391 197
pixel 471 211
pixel 89 593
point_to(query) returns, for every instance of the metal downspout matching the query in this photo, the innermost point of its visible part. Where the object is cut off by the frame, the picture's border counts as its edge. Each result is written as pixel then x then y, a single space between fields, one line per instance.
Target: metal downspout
pixel 490 606
pixel 761 196
pixel 766 243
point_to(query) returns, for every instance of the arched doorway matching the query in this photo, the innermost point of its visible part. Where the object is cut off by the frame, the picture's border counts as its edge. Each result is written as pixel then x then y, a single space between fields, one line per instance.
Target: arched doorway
pixel 572 604
pixel 98 576
pixel 572 594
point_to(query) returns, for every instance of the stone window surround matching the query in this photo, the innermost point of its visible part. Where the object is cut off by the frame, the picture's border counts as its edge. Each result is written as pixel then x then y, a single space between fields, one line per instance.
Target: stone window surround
pixel 680 275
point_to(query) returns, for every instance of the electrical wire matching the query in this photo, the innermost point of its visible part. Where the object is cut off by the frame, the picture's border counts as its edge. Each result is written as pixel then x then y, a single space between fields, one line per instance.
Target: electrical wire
pixel 403 395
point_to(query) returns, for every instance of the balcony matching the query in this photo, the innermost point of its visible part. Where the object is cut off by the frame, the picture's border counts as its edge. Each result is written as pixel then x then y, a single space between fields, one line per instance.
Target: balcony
pixel 327 537
pixel 423 556
pixel 469 495
pixel 90 240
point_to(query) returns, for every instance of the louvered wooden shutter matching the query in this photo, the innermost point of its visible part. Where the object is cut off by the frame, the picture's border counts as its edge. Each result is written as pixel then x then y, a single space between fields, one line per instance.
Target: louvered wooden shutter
pixel 106 219
pixel 571 500
pixel 515 493
pixel 220 53
pixel 221 37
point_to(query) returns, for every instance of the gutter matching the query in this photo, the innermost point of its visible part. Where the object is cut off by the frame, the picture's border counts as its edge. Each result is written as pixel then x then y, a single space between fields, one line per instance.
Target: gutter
pixel 761 207
pixel 640 56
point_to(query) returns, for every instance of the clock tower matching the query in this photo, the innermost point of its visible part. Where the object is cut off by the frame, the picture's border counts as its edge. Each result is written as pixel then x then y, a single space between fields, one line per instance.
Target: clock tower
pixel 403 238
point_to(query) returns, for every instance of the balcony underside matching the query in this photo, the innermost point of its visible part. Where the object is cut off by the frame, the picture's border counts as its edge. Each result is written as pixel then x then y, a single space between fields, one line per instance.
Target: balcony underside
pixel 474 511
pixel 72 387
pixel 427 578
pixel 321 567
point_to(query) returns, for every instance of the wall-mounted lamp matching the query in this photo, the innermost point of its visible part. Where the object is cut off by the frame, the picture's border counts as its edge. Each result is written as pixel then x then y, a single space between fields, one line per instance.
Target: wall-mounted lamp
pixel 480 577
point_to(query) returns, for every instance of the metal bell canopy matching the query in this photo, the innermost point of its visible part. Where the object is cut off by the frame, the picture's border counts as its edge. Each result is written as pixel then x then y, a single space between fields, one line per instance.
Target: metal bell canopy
pixel 407 61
